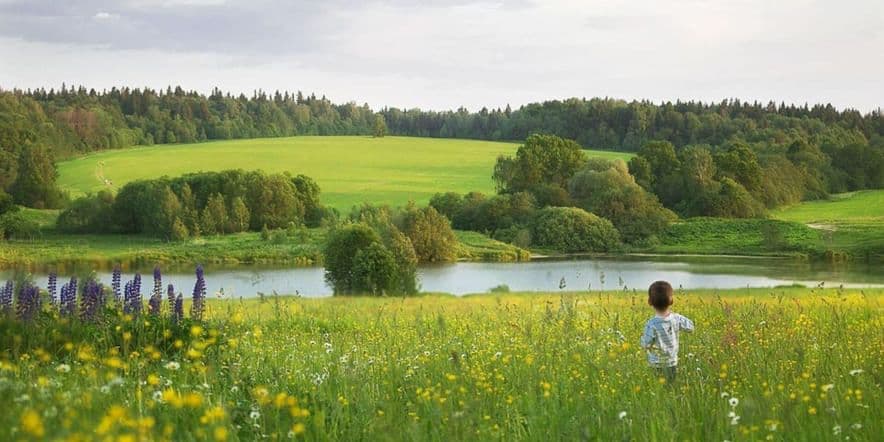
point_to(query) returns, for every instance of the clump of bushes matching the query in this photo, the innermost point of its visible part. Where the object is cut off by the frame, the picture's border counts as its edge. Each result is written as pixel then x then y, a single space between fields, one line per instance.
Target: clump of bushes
pixel 206 203
pixel 573 230
pixel 358 262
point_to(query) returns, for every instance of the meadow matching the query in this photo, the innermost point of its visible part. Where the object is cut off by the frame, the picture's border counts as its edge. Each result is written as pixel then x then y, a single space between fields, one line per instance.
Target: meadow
pixel 850 224
pixel 777 364
pixel 299 247
pixel 867 205
pixel 350 170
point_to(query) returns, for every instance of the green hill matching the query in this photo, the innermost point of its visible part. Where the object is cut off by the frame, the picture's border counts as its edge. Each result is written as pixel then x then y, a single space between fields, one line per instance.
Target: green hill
pixel 351 170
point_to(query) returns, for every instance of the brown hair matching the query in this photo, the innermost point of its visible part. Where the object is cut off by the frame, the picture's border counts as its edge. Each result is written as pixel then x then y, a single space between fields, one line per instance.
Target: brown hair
pixel 660 295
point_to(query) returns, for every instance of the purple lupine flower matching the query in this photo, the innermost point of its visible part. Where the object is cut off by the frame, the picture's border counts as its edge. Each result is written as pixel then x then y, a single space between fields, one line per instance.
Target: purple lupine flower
pixel 68 303
pixel 170 293
pixel 92 300
pixel 136 284
pixel 156 297
pixel 127 297
pixel 179 309
pixel 132 303
pixel 51 286
pixel 199 295
pixel 6 299
pixel 28 302
pixel 115 283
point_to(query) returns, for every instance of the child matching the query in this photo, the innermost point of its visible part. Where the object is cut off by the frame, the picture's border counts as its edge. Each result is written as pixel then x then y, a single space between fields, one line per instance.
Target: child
pixel 660 337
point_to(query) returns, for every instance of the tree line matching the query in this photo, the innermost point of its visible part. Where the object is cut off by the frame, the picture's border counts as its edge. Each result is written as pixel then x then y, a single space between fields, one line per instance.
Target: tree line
pixel 845 147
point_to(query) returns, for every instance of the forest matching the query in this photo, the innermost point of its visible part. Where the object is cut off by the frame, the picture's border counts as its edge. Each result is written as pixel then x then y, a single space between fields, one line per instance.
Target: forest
pixel 826 149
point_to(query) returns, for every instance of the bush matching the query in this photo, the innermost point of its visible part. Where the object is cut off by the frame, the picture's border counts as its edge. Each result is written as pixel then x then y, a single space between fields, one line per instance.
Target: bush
pixel 430 234
pixel 501 288
pixel 374 270
pixel 15 225
pixel 572 230
pixel 340 255
pixel 87 214
pixel 607 189
pixel 6 203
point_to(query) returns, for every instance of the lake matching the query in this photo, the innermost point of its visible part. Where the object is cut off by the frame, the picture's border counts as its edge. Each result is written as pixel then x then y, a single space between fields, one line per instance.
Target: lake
pixel 622 273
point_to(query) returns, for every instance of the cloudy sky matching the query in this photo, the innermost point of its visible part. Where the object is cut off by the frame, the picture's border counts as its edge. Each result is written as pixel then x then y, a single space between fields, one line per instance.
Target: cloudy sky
pixel 442 54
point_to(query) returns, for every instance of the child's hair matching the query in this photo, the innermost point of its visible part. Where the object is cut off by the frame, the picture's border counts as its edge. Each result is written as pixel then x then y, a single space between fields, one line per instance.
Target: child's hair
pixel 660 295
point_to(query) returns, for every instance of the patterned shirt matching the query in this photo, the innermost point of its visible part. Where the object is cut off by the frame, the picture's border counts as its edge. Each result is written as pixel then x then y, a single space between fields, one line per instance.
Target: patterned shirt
pixel 660 338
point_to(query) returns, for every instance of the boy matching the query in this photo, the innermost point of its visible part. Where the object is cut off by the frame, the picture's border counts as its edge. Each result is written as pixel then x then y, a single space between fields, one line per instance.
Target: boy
pixel 660 337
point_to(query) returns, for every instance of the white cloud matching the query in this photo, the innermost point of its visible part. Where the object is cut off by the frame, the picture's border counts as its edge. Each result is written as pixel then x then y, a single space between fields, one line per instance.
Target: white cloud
pixel 103 16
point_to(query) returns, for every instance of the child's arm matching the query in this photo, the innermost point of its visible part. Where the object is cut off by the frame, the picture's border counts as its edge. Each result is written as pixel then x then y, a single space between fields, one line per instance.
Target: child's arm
pixel 685 324
pixel 648 337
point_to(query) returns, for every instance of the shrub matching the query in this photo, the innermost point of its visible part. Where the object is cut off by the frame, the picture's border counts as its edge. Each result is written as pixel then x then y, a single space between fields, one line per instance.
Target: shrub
pixel 6 203
pixel 87 214
pixel 179 230
pixel 501 288
pixel 607 189
pixel 357 262
pixel 16 225
pixel 571 230
pixel 449 204
pixel 430 234
pixel 374 270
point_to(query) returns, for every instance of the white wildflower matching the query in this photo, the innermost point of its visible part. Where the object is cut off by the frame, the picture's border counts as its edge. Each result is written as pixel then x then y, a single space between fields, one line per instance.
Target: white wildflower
pixel 621 415
pixel 158 396
pixel 733 402
pixel 856 426
pixel 105 389
pixel 856 371
pixel 172 365
pixel 724 394
pixel 255 415
pixel 63 368
pixel 827 387
pixel 836 430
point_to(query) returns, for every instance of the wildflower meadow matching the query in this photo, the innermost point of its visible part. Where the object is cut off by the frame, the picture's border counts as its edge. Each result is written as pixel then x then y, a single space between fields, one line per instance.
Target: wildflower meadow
pixel 101 363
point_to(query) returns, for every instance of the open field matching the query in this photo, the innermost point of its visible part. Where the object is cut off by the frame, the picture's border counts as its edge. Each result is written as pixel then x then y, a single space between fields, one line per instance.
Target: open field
pixel 241 248
pixel 350 170
pixel 299 247
pixel 780 364
pixel 861 206
pixel 852 222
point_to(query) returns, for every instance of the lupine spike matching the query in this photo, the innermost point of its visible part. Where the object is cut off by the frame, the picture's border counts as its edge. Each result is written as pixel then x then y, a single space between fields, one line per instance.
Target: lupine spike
pixel 115 282
pixel 66 303
pixel 51 286
pixel 6 298
pixel 28 302
pixel 199 295
pixel 170 293
pixel 136 284
pixel 179 309
pixel 157 282
pixel 91 301
pixel 156 298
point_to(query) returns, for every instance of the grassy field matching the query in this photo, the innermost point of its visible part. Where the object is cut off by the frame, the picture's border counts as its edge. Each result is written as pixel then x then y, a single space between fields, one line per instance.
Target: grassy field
pixel 865 206
pixel 783 364
pixel 852 222
pixel 350 170
pixel 739 237
pixel 299 247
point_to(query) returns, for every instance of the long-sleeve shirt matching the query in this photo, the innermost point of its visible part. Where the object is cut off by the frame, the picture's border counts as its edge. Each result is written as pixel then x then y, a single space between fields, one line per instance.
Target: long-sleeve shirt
pixel 660 338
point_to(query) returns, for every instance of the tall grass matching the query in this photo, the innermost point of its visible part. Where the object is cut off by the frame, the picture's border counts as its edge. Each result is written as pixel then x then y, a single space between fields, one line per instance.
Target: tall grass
pixel 786 364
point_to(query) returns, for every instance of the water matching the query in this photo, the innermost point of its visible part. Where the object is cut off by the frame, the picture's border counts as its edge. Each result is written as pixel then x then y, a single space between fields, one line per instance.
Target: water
pixel 548 276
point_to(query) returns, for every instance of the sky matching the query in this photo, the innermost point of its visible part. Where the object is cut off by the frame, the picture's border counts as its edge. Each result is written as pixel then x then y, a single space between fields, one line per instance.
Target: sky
pixel 444 54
